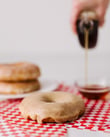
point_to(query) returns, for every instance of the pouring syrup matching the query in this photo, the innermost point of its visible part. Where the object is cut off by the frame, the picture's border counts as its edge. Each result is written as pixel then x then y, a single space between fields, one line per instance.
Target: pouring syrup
pixel 87 28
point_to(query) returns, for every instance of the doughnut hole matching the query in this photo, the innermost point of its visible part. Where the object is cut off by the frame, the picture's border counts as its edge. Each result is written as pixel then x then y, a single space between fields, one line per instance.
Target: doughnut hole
pixel 47 99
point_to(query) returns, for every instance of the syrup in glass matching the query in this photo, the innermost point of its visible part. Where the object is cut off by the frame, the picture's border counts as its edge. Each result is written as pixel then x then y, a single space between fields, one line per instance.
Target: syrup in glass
pixel 94 91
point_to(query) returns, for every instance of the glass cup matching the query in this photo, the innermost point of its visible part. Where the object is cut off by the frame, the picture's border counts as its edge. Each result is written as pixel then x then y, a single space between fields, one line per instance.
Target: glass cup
pixel 95 88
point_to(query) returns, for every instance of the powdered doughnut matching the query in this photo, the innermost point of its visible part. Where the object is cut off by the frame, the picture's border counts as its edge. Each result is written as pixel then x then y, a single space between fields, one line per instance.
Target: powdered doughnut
pixel 52 107
pixel 19 72
pixel 18 87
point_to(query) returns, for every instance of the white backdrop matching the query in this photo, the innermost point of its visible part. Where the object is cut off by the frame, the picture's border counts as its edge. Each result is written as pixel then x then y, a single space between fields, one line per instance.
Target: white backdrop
pixel 41 26
pixel 40 31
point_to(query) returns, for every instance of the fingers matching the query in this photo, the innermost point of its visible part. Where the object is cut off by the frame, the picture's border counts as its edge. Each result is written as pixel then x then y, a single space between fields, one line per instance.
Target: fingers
pixel 79 6
pixel 99 6
pixel 74 16
pixel 101 23
pixel 101 15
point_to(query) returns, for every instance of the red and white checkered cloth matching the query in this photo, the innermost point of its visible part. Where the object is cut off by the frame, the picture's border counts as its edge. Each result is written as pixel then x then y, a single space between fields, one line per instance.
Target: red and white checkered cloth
pixel 12 124
pixel 96 117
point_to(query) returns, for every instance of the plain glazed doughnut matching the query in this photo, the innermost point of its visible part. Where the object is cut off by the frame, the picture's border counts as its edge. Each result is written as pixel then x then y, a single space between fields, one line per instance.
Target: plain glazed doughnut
pixel 19 87
pixel 49 107
pixel 21 71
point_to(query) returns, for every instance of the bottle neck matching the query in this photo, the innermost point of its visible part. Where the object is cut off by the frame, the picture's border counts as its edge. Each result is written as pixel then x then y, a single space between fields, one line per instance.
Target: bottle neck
pixel 86 24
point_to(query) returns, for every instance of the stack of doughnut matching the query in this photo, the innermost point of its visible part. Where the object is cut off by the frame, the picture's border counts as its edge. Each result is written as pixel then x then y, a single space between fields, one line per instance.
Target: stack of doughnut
pixel 18 78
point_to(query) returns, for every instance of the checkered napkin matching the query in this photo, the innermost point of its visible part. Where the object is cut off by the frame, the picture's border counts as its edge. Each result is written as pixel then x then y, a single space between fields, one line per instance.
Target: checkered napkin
pixel 13 125
pixel 96 117
pixel 97 114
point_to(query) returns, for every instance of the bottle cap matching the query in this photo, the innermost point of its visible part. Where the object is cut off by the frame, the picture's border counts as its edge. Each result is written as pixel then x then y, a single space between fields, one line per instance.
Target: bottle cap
pixel 90 15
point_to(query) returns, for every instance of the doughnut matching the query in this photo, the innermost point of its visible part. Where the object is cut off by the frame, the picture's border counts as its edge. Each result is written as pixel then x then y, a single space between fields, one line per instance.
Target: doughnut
pixel 19 87
pixel 20 71
pixel 49 107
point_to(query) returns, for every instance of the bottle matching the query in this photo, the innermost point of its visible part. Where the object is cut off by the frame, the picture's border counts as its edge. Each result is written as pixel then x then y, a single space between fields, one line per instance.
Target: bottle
pixel 87 20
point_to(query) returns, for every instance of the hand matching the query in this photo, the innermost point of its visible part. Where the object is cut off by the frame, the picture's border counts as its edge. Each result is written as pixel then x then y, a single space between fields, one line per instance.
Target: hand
pixel 98 6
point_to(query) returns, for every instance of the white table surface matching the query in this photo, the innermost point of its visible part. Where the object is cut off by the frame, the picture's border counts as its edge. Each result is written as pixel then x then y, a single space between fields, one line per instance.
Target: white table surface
pixel 72 132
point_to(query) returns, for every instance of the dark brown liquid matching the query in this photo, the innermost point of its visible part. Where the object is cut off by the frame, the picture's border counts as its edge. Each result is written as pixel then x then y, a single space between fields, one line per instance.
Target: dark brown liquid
pixel 92 34
pixel 94 91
